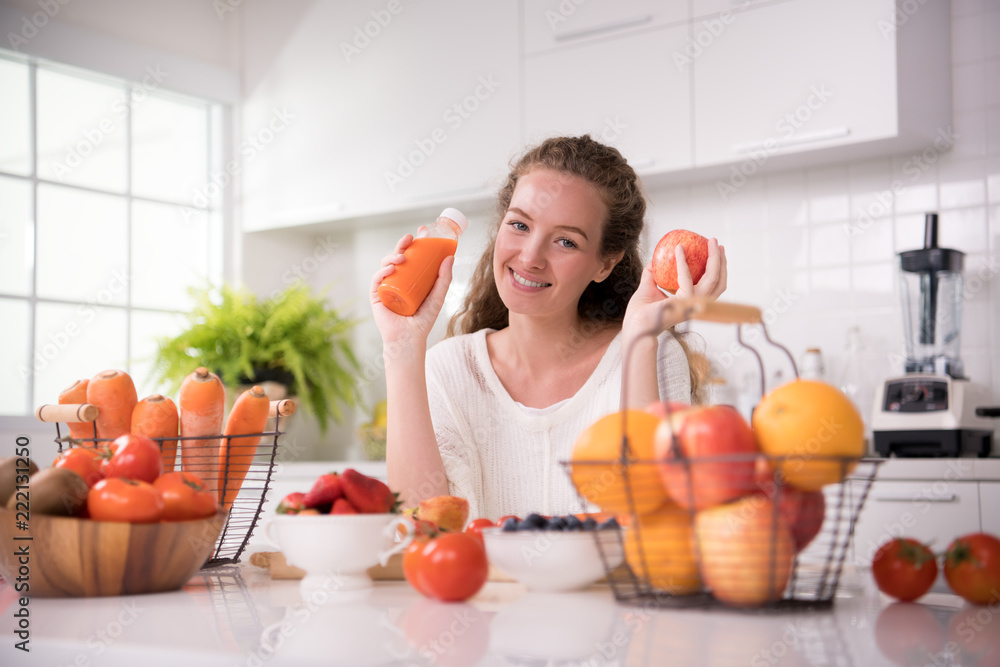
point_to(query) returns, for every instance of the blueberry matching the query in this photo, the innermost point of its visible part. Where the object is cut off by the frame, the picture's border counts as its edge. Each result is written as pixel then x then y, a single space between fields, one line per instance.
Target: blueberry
pixel 557 523
pixel 573 523
pixel 510 525
pixel 610 524
pixel 590 523
pixel 534 522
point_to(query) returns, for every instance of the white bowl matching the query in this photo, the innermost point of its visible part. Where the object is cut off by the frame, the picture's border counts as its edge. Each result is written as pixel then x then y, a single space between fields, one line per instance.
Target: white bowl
pixel 551 560
pixel 336 550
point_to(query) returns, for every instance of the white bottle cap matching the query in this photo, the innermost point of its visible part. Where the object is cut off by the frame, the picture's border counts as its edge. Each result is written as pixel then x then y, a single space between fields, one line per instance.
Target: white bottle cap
pixel 457 216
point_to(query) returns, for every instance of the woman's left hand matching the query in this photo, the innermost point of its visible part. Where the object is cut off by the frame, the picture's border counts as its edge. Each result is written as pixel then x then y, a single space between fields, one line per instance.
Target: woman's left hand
pixel 645 306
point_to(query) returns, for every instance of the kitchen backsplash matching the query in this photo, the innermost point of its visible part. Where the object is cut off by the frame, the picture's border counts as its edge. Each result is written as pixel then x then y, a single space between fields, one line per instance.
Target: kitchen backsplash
pixel 815 248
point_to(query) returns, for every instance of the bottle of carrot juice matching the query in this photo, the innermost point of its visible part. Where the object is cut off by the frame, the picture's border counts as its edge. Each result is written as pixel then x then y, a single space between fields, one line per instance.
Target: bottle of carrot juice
pixel 406 288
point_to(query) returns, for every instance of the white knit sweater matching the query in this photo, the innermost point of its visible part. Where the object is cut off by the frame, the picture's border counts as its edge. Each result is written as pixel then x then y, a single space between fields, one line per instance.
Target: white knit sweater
pixel 505 459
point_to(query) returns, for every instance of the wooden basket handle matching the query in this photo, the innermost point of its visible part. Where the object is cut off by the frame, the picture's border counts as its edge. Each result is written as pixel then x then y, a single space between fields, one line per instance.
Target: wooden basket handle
pixel 699 308
pixel 281 408
pixel 67 412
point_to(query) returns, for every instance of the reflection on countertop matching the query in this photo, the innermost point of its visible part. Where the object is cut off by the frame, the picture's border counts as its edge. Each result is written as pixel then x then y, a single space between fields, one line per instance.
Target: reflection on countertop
pixel 236 615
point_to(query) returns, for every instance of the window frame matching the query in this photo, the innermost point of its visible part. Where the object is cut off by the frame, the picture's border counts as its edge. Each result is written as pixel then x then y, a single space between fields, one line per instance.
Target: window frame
pixel 219 211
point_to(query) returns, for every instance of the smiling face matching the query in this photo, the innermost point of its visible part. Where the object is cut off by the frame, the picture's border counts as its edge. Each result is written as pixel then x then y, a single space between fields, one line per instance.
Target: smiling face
pixel 548 247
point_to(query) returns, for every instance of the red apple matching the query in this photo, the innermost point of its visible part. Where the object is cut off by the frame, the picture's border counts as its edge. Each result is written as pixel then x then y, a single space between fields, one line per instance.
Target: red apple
pixel 665 260
pixel 804 511
pixel 713 460
pixel 746 555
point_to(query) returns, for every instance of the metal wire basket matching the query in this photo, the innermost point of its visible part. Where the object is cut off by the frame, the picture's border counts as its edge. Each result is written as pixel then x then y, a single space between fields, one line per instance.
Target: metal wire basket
pixel 201 460
pixel 757 543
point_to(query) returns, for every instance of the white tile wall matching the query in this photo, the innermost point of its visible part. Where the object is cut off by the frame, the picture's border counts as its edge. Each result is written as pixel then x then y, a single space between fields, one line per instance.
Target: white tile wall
pixel 827 236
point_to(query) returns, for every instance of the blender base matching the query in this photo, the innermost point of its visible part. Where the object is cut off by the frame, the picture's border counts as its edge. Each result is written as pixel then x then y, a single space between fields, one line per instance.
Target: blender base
pixel 950 443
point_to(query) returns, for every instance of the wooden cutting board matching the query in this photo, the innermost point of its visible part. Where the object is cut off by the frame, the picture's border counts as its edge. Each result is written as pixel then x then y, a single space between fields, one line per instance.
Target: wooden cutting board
pixel 275 563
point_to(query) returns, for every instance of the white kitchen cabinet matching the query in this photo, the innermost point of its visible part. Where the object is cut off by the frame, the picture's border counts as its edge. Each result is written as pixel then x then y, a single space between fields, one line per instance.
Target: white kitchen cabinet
pixel 393 104
pixel 703 8
pixel 989 507
pixel 786 78
pixel 550 24
pixel 932 511
pixel 624 91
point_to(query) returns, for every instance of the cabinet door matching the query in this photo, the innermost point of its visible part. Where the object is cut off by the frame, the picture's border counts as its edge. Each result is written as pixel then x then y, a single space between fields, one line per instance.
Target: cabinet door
pixel 989 507
pixel 550 24
pixel 389 108
pixel 793 76
pixel 626 92
pixel 930 511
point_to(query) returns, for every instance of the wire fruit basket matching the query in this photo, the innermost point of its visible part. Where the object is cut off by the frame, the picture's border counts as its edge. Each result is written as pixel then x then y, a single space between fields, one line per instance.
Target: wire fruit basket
pixel 745 530
pixel 202 460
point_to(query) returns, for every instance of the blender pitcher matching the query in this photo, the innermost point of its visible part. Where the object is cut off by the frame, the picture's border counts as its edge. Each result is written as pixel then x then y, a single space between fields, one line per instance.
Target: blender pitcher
pixel 931 291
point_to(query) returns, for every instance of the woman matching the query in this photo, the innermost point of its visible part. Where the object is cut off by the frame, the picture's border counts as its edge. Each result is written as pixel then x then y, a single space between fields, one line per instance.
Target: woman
pixel 558 294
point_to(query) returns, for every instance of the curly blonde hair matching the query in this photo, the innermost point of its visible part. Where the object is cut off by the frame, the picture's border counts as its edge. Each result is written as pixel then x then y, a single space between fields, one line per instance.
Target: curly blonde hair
pixel 619 187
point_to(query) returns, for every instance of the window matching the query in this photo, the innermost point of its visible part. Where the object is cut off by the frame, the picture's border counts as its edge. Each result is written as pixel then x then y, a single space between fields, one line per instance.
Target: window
pixel 107 216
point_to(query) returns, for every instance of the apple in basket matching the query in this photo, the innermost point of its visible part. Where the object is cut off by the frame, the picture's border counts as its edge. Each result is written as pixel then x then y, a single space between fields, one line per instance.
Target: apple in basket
pixel 746 550
pixel 804 511
pixel 707 455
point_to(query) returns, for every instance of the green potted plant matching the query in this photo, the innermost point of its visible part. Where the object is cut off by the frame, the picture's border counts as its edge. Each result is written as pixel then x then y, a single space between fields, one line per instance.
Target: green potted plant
pixel 294 338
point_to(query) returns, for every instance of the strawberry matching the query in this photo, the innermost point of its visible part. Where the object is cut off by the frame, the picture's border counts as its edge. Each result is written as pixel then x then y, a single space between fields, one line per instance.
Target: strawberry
pixel 324 492
pixel 291 504
pixel 342 506
pixel 367 494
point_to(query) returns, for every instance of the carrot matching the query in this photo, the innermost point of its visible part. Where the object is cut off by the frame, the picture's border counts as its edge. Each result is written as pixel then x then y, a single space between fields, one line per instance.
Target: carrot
pixel 249 415
pixel 202 403
pixel 156 417
pixel 75 394
pixel 114 395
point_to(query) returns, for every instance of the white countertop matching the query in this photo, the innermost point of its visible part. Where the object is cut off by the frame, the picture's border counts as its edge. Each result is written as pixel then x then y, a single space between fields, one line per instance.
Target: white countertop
pixel 235 615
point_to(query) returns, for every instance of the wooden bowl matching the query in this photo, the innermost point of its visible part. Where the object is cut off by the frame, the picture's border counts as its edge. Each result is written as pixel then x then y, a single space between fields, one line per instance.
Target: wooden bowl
pixel 69 557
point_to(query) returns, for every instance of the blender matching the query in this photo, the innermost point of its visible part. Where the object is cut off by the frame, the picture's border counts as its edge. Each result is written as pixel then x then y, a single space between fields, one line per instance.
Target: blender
pixel 933 410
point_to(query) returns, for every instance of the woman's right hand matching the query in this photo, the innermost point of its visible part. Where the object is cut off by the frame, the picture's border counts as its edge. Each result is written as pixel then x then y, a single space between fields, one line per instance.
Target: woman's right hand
pixel 417 327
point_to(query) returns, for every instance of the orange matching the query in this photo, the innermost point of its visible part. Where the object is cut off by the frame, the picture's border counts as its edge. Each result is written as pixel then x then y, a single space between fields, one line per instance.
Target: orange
pixel 660 550
pixel 815 428
pixel 601 477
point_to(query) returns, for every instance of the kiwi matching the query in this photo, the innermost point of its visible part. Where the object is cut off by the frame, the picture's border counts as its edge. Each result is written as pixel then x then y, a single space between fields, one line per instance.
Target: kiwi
pixel 55 491
pixel 8 476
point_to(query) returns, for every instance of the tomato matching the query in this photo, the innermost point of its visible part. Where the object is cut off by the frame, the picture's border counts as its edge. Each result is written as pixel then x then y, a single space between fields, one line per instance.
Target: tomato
pixel 106 451
pixel 476 526
pixel 504 518
pixel 185 497
pixel 84 462
pixel 451 567
pixel 117 499
pixel 136 457
pixel 904 569
pixel 972 567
